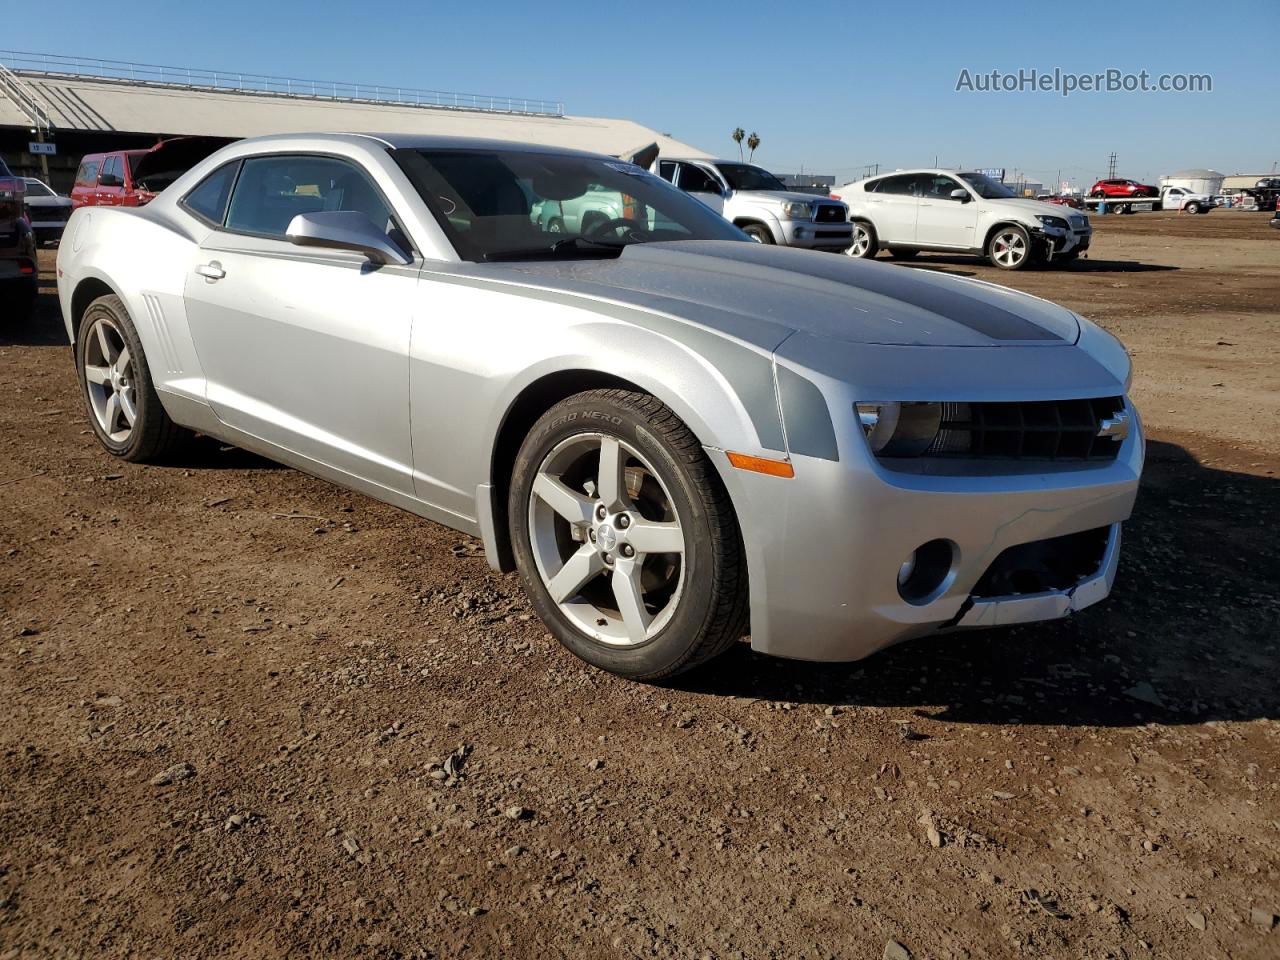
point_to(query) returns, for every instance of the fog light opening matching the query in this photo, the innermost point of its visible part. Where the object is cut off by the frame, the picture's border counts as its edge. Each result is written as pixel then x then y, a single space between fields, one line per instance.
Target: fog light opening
pixel 927 572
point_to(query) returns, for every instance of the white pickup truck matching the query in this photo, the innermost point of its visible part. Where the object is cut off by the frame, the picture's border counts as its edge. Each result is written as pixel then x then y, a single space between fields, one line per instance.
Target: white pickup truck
pixel 1180 198
pixel 760 204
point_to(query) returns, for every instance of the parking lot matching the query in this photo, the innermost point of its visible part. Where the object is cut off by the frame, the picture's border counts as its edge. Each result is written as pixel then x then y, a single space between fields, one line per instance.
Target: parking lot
pixel 305 662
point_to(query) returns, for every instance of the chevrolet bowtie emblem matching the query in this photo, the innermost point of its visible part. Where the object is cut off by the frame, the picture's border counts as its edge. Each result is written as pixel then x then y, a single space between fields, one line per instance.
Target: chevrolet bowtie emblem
pixel 1116 426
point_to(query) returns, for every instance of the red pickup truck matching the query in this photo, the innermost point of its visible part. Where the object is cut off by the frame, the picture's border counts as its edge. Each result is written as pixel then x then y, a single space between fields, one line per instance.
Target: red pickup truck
pixel 19 271
pixel 131 178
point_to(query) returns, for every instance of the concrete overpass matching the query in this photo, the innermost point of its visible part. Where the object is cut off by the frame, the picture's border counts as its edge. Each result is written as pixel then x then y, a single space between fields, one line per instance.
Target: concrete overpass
pixel 86 106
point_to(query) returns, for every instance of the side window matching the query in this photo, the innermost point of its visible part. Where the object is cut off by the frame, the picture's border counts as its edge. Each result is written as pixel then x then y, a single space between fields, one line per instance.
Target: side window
pixel 111 173
pixel 272 190
pixel 899 186
pixel 938 188
pixel 696 180
pixel 209 200
pixel 667 170
pixel 88 172
pixel 871 186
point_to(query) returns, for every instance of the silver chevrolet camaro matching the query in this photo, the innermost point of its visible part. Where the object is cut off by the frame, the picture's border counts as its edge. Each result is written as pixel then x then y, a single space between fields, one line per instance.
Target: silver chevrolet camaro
pixel 676 435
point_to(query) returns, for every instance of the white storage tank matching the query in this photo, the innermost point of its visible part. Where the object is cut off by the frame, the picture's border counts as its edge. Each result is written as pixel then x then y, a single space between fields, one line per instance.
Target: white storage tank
pixel 1197 181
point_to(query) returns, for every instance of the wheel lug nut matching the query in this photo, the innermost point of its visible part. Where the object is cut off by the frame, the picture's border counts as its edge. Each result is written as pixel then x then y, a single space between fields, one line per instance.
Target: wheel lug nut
pixel 608 558
pixel 592 535
pixel 601 513
pixel 624 521
pixel 628 550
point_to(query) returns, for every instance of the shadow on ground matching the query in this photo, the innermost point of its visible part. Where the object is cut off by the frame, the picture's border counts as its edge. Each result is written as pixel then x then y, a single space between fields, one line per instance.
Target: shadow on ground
pixel 1187 636
pixel 940 262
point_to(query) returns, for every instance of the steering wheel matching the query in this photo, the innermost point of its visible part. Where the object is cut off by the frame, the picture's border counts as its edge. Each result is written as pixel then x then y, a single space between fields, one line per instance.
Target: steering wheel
pixel 604 226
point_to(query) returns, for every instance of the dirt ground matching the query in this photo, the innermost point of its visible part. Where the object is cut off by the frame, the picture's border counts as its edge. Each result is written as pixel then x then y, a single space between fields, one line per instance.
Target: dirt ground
pixel 305 661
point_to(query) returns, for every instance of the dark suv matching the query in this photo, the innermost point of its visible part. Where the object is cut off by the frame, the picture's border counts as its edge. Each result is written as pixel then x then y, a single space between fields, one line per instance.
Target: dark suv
pixel 18 269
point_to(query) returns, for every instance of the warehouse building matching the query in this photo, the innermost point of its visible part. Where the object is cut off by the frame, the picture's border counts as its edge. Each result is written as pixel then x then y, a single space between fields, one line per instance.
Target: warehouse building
pixel 85 106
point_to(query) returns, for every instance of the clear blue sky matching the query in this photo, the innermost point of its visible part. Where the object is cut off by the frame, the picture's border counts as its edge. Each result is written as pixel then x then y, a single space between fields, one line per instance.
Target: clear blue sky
pixel 832 86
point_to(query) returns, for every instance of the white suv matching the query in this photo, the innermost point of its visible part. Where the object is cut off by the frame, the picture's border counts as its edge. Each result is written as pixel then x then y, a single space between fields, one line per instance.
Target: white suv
pixel 912 210
pixel 760 204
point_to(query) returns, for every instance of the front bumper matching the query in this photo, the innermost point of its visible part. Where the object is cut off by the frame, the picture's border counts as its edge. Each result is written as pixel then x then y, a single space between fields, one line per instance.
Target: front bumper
pixel 826 547
pixel 816 236
pixel 1057 240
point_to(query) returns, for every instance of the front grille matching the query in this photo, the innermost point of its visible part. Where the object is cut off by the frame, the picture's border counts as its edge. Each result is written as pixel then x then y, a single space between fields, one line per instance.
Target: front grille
pixel 49 214
pixel 1031 430
pixel 830 213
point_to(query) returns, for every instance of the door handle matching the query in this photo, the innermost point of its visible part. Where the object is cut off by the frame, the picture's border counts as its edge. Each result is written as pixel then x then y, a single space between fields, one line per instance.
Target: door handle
pixel 211 271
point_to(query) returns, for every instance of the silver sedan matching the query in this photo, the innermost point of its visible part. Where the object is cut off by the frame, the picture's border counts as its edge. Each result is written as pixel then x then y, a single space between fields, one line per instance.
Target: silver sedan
pixel 675 435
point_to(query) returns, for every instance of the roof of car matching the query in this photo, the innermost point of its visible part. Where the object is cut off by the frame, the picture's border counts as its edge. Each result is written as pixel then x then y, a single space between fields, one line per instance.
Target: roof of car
pixel 410 141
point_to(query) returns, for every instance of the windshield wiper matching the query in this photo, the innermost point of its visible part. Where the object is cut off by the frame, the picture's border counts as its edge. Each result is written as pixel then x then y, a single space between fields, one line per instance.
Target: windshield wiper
pixel 557 250
pixel 583 243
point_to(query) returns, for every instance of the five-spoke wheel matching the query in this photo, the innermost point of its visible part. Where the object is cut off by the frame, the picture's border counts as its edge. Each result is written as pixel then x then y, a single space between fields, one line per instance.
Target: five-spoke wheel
pixel 615 514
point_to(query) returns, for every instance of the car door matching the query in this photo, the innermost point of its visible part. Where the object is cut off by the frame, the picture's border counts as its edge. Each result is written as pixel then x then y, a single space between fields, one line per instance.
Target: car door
pixel 942 220
pixel 698 183
pixel 304 347
pixel 84 191
pixel 893 208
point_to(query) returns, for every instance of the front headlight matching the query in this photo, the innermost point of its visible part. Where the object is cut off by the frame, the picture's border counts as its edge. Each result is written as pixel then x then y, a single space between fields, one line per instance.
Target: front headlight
pixel 1055 222
pixel 896 429
pixel 796 210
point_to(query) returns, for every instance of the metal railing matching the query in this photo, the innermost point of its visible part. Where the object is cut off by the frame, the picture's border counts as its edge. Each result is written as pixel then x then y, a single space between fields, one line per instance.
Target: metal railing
pixel 11 85
pixel 56 65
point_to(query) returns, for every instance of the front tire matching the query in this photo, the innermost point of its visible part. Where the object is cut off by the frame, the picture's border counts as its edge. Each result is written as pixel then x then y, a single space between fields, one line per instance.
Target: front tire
pixel 1192 207
pixel 625 539
pixel 758 232
pixel 865 245
pixel 1010 248
pixel 120 398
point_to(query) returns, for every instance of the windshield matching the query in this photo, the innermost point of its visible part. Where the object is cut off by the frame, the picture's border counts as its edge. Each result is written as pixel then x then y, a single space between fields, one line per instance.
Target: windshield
pixel 743 176
pixel 987 188
pixel 521 205
pixel 37 189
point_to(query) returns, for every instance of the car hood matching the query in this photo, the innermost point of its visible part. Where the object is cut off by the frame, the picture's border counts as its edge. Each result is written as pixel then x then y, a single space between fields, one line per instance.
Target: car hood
pixel 47 201
pixel 780 196
pixel 763 294
pixel 1033 207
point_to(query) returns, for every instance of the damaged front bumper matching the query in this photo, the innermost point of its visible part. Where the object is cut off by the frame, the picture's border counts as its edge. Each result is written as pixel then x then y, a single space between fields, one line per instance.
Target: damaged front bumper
pixel 1050 604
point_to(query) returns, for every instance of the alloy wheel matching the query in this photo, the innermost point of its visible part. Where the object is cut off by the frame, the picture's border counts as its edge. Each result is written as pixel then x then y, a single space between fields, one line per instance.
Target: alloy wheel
pixel 607 540
pixel 109 380
pixel 1009 248
pixel 861 241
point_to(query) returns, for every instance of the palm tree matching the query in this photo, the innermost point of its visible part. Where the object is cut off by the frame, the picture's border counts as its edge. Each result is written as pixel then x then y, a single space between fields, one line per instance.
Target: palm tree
pixel 738 134
pixel 753 141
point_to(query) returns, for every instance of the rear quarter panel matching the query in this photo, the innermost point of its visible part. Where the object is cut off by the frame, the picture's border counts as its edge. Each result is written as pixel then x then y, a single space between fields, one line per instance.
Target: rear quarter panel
pixel 144 260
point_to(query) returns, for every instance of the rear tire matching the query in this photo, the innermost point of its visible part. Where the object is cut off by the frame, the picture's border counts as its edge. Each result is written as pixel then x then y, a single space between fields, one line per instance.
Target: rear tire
pixel 115 381
pixel 646 611
pixel 758 232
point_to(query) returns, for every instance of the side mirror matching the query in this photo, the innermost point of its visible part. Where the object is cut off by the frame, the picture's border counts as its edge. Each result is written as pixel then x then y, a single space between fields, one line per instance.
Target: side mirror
pixel 961 194
pixel 344 230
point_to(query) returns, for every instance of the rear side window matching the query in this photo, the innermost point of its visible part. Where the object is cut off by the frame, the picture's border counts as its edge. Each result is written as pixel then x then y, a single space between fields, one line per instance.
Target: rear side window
pixel 208 201
pixel 88 172
pixel 696 180
pixel 667 170
pixel 271 191
pixel 901 186
pixel 871 186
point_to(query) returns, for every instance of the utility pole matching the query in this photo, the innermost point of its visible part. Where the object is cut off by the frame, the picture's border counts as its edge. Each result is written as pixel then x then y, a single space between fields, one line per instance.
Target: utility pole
pixel 44 161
